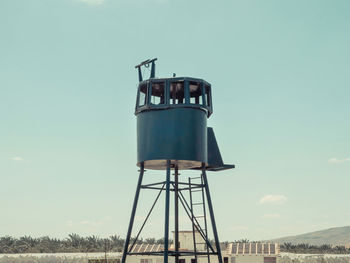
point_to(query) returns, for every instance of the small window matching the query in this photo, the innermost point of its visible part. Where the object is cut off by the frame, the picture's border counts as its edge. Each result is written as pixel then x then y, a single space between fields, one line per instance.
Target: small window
pixel 266 248
pixel 240 248
pixel 182 260
pixel 177 95
pixel 196 93
pixel 269 260
pixel 234 248
pixel 193 260
pixel 246 248
pixel 142 95
pixel 225 259
pixel 260 248
pixel 253 248
pixel 207 96
pixel 157 93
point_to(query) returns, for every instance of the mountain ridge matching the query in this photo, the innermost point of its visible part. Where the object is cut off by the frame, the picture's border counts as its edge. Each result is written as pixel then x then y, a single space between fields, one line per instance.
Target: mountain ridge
pixel 337 236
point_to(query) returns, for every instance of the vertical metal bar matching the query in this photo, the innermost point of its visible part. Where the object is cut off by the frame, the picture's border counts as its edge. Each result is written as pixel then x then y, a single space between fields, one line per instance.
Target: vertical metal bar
pixel 167 93
pixel 211 212
pixel 140 74
pixel 132 217
pixel 167 204
pixel 176 190
pixel 203 94
pixel 149 93
pixel 187 92
pixel 205 219
pixel 192 219
pixel 153 70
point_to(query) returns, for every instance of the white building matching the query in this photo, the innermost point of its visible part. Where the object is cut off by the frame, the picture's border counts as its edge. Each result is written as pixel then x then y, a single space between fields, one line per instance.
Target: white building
pixel 232 253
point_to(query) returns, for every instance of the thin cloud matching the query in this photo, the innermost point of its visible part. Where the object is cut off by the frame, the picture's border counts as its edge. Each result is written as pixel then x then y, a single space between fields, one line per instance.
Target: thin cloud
pixel 97 222
pixel 92 2
pixel 271 216
pixel 337 160
pixel 91 223
pixel 17 158
pixel 273 199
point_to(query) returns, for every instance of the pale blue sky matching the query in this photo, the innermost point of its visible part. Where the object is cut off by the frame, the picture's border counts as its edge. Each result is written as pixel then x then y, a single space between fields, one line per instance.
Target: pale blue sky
pixel 280 77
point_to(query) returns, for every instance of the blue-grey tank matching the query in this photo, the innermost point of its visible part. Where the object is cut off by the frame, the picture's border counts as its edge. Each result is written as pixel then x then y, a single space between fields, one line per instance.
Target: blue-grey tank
pixel 172 122
pixel 176 134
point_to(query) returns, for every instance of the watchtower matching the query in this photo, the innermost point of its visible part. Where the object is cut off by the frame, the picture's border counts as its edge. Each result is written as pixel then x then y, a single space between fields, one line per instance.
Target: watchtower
pixel 172 134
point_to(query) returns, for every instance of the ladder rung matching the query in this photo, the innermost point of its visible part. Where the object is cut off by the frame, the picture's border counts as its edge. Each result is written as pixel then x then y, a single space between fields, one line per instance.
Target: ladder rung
pixel 198 216
pixel 197 203
pixel 200 190
pixel 196 177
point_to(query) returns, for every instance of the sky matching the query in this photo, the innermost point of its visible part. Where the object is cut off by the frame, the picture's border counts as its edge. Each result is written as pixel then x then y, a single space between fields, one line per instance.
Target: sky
pixel 281 97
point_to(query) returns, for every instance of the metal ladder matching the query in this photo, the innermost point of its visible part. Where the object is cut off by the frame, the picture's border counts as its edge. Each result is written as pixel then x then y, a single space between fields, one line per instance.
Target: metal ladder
pixel 198 187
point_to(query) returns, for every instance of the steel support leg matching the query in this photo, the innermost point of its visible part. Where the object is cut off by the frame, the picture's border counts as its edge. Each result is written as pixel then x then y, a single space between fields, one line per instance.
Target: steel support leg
pixel 211 212
pixel 167 205
pixel 176 191
pixel 131 223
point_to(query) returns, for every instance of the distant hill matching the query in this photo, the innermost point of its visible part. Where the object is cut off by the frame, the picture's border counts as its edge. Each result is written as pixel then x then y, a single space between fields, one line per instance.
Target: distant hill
pixel 333 236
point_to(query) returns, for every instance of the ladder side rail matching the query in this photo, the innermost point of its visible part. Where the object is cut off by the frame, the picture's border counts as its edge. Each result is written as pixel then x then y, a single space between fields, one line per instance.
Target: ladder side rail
pixel 205 219
pixel 192 220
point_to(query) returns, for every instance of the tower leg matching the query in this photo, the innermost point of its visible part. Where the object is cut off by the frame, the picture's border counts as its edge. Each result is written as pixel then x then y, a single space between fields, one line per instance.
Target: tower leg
pixel 211 212
pixel 131 223
pixel 176 193
pixel 167 204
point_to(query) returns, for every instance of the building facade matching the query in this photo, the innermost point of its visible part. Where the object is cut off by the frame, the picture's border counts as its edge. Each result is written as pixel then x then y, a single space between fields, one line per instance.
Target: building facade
pixel 253 252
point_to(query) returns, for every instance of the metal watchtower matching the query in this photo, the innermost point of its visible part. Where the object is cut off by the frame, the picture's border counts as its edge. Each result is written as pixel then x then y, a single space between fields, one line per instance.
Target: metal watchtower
pixel 172 134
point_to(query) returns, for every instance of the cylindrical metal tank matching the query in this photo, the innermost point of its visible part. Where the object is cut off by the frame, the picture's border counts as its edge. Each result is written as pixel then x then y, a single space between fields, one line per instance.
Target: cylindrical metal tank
pixel 176 134
pixel 172 122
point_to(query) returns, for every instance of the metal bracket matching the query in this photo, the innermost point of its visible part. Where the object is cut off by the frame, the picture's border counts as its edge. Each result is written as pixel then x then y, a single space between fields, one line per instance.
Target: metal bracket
pixel 146 64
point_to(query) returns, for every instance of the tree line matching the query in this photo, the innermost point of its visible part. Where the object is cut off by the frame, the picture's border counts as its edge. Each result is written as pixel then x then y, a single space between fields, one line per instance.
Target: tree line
pixel 72 244
pixel 75 243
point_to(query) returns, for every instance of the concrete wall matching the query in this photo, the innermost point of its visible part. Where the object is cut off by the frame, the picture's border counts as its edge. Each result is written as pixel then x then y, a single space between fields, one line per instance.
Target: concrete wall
pixel 153 259
pixel 186 240
pixel 186 243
